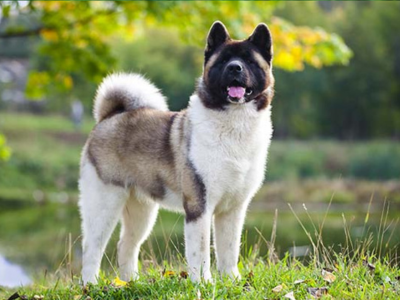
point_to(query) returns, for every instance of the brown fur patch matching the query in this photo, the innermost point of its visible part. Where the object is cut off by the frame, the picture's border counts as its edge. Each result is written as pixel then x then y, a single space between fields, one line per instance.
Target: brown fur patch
pixel 194 193
pixel 133 149
pixel 147 149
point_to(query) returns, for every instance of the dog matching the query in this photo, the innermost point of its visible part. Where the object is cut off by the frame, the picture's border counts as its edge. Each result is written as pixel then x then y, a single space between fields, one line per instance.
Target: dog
pixel 207 161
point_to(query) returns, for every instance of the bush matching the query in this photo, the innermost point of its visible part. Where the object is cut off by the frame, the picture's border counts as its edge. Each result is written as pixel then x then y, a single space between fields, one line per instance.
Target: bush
pixel 378 160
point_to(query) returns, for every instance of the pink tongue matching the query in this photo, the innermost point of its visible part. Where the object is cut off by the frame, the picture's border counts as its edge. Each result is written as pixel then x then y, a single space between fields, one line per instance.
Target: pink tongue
pixel 236 91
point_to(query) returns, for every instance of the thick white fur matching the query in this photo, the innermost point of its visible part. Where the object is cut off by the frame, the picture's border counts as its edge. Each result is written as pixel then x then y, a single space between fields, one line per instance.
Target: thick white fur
pixel 102 206
pixel 135 87
pixel 228 150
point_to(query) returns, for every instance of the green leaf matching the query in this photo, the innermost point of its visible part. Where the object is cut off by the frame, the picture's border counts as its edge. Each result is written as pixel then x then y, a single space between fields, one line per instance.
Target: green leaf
pixel 5 151
pixel 6 11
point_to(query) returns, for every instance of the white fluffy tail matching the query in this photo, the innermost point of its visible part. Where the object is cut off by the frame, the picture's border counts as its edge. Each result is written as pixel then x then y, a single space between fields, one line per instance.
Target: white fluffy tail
pixel 124 92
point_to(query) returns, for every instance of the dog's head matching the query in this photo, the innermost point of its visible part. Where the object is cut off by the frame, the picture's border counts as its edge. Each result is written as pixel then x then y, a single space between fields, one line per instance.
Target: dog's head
pixel 237 72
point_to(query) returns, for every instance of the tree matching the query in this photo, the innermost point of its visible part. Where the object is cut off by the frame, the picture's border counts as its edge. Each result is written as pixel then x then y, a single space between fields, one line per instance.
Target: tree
pixel 76 36
pixel 357 102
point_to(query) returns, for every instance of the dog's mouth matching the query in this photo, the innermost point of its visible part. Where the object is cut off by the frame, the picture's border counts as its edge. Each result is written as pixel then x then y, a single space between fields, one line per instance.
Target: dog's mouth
pixel 237 93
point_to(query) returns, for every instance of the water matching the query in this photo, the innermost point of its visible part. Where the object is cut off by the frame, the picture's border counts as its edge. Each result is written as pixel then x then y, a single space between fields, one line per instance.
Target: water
pixel 36 240
pixel 12 275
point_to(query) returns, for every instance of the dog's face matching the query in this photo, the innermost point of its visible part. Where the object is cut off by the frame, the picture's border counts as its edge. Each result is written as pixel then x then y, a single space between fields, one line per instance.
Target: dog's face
pixel 237 72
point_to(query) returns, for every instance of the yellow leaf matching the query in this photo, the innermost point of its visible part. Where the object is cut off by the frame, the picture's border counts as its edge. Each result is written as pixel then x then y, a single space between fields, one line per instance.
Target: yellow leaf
pixel 119 283
pixel 169 273
pixel 67 80
pixel 287 61
pixel 49 35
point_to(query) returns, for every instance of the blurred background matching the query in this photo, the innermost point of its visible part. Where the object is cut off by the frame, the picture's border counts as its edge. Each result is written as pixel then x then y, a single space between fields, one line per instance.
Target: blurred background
pixel 335 155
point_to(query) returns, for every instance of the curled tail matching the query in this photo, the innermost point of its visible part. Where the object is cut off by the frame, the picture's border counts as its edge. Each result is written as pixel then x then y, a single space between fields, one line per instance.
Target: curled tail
pixel 124 92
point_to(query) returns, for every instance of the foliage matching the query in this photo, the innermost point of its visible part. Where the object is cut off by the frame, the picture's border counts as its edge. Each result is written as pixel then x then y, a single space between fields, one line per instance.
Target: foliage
pixel 76 37
pixel 353 102
pixel 373 160
pixel 5 151
pixel 359 101
pixel 297 45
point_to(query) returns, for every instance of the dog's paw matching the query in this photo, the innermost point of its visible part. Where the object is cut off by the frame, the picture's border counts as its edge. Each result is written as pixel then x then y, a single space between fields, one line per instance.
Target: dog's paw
pixel 129 276
pixel 233 273
pixel 205 277
pixel 86 280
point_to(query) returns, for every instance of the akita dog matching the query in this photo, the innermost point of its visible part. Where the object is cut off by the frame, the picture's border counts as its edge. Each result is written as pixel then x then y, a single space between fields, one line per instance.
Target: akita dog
pixel 207 161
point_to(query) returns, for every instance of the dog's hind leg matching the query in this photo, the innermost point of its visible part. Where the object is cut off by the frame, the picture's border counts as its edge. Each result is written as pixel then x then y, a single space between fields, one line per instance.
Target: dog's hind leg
pixel 101 207
pixel 138 218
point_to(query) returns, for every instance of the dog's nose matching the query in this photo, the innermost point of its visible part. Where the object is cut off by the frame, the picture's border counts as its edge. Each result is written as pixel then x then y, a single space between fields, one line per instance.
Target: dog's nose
pixel 235 67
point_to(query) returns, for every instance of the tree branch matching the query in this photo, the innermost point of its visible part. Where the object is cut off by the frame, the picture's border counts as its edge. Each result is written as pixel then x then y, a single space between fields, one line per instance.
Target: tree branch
pixel 12 34
pixel 36 31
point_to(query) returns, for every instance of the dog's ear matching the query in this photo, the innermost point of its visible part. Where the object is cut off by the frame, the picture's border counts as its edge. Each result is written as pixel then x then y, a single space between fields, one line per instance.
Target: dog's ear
pixel 261 38
pixel 216 37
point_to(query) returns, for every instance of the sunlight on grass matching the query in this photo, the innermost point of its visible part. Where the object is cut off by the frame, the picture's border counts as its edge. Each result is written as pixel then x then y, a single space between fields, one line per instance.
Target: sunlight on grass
pixel 357 271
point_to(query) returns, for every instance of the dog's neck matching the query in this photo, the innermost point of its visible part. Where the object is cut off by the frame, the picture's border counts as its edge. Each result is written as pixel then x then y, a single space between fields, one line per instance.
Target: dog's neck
pixel 236 121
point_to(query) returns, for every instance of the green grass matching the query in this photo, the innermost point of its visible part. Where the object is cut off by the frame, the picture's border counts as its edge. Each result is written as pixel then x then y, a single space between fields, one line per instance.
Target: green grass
pixel 354 277
pixel 358 270
pixel 25 122
pixel 28 231
pixel 355 281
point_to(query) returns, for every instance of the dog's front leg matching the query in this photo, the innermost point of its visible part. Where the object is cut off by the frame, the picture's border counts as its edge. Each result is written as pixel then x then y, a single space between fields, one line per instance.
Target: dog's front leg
pixel 197 246
pixel 227 232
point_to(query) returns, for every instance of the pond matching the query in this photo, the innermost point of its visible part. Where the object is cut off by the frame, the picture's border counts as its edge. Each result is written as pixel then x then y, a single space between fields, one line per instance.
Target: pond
pixel 45 239
pixel 12 275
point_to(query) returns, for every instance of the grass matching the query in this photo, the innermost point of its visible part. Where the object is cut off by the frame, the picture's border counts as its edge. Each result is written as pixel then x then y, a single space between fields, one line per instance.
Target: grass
pixel 261 280
pixel 341 276
pixel 24 122
pixel 357 271
pixel 28 232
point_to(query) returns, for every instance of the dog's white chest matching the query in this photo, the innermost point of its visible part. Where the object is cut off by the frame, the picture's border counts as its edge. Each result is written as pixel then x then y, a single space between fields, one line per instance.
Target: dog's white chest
pixel 229 151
